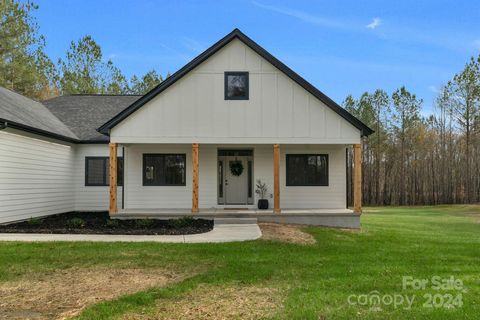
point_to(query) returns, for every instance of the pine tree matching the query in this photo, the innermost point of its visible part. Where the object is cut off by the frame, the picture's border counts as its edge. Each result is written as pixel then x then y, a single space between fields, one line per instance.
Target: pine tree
pixel 85 72
pixel 149 81
pixel 24 66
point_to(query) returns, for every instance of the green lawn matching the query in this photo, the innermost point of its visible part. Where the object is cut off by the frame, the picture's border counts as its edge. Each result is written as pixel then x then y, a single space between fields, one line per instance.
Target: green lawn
pixel 315 281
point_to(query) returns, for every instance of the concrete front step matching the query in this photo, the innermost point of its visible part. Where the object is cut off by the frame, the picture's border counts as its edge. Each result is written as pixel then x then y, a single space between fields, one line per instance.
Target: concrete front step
pixel 234 220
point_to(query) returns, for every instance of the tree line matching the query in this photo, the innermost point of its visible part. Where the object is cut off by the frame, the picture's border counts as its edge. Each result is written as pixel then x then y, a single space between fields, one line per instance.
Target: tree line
pixel 413 159
pixel 26 68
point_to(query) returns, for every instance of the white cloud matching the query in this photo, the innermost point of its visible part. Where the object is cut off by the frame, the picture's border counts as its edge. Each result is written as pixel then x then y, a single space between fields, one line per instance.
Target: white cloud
pixel 112 56
pixel 376 22
pixel 433 88
pixel 193 45
pixel 304 16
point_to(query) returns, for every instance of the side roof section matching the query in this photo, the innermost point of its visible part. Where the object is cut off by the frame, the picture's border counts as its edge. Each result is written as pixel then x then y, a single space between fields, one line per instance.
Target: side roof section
pixel 236 33
pixel 84 113
pixel 19 112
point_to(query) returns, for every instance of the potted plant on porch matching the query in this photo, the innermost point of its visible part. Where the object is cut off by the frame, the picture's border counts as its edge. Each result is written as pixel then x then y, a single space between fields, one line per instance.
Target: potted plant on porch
pixel 261 190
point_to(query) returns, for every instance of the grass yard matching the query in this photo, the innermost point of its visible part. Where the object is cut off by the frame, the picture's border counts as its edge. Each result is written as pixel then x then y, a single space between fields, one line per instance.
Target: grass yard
pixel 261 279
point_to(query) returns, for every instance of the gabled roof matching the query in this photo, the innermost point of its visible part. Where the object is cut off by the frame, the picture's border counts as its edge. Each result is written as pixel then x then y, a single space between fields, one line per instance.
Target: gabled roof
pixel 19 112
pixel 83 114
pixel 235 34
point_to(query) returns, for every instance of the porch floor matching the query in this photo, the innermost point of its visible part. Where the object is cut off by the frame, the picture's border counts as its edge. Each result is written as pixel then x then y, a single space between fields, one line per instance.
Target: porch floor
pixel 339 218
pixel 234 212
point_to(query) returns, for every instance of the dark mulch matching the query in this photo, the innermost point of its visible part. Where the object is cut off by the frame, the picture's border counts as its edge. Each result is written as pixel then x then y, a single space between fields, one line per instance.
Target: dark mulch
pixel 100 223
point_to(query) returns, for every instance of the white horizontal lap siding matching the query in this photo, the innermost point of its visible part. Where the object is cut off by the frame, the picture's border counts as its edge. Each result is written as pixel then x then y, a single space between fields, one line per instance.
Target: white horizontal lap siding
pixel 35 176
pixel 138 196
pixel 332 196
pixel 194 108
pixel 91 198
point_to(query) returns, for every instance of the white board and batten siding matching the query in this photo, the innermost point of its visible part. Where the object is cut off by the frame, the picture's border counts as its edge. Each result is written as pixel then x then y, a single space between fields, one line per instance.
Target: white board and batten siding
pixel 193 109
pixel 35 176
pixel 138 196
pixel 324 197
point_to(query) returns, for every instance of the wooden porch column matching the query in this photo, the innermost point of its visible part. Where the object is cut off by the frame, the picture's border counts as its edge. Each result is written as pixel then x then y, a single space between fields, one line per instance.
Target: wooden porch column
pixel 113 178
pixel 195 178
pixel 276 178
pixel 357 180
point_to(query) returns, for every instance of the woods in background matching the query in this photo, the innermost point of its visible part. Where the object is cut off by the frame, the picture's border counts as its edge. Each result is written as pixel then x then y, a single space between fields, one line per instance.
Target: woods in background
pixel 415 160
pixel 26 68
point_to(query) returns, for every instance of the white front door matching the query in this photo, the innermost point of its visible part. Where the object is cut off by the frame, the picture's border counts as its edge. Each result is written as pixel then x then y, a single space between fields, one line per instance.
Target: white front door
pixel 236 180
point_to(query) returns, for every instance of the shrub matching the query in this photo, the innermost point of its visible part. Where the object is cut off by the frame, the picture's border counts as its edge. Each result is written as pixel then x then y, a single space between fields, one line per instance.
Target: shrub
pixel 111 223
pixel 35 221
pixel 144 223
pixel 181 222
pixel 76 223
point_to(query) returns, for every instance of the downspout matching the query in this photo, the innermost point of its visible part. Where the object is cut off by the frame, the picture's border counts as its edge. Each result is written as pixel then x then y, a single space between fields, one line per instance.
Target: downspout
pixel 123 178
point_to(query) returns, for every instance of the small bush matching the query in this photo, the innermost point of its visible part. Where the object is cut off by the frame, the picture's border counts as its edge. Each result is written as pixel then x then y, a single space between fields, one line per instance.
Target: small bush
pixel 35 221
pixel 144 223
pixel 76 223
pixel 112 223
pixel 181 222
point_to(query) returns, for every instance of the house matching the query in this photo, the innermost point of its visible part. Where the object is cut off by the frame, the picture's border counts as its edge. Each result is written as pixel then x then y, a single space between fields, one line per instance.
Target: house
pixel 196 144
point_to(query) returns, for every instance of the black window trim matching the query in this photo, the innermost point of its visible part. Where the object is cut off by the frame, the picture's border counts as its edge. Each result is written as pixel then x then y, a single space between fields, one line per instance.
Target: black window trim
pixel 184 155
pixel 326 184
pixel 106 175
pixel 234 73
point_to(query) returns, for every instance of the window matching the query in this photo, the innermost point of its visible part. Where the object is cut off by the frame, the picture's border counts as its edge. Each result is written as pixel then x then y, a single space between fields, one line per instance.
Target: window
pixel 307 170
pixel 97 171
pixel 236 85
pixel 164 169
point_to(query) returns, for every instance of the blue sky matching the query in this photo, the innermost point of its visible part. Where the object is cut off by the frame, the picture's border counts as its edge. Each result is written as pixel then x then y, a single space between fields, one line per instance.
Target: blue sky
pixel 341 47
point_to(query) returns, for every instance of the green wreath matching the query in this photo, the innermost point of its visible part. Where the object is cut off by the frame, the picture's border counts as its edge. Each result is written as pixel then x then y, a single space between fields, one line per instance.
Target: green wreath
pixel 236 167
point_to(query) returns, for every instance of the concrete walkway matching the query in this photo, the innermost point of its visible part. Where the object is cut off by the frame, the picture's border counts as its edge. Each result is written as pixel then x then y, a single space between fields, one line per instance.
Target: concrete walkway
pixel 222 232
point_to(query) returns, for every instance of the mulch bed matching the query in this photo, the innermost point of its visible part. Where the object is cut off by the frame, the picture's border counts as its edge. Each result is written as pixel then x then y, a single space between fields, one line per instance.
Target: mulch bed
pixel 100 223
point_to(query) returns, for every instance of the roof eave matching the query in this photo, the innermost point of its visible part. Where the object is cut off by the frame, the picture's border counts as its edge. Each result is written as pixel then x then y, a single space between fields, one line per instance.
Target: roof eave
pixel 26 128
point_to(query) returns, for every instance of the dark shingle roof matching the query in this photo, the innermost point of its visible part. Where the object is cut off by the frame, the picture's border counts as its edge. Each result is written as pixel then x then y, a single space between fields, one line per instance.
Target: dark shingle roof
pixel 83 114
pixel 23 112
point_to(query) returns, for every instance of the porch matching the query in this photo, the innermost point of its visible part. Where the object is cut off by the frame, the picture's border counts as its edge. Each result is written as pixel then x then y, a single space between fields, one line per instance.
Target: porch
pixel 207 189
pixel 344 218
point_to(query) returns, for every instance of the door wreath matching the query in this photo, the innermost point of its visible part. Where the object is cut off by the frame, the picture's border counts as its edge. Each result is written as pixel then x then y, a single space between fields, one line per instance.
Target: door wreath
pixel 236 167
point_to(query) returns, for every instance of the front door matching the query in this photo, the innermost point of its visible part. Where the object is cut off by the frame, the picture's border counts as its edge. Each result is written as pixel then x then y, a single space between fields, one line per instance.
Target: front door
pixel 236 182
pixel 235 177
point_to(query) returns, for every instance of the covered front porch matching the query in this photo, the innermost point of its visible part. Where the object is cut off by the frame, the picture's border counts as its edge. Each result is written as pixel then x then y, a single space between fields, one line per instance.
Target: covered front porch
pixel 202 194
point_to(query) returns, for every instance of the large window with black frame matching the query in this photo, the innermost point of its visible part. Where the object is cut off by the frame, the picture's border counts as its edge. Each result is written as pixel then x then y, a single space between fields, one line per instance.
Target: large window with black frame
pixel 307 169
pixel 164 169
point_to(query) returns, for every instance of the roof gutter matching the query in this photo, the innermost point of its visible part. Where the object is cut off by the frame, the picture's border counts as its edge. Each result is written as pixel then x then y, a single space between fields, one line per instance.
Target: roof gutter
pixel 15 125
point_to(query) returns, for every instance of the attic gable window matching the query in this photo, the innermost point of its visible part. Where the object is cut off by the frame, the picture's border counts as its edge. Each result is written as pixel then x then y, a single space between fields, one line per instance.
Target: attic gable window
pixel 236 85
